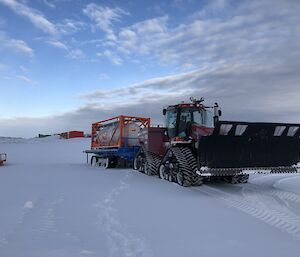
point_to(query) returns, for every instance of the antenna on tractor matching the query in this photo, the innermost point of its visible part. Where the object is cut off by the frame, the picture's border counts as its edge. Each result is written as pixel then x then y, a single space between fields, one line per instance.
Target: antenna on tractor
pixel 195 101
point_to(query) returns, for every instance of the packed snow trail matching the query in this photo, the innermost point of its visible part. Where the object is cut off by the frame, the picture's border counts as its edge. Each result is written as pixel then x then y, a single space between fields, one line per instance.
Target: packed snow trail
pixel 53 204
pixel 120 241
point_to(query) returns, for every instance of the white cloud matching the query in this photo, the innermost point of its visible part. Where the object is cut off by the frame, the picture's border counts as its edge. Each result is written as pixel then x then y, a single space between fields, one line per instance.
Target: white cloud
pixel 34 16
pixel 155 25
pixel 69 26
pixel 246 58
pixel 49 3
pixel 16 45
pixel 218 32
pixel 249 91
pixel 2 66
pixel 23 69
pixel 52 3
pixel 20 46
pixel 72 53
pixel 57 44
pixel 128 39
pixel 76 54
pixel 104 17
pixel 112 57
pixel 26 80
pixel 139 37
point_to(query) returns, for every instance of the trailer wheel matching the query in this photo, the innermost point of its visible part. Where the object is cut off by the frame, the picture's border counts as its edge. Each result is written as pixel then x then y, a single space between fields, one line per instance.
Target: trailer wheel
pixel 138 162
pixel 106 162
pixel 113 161
pixel 93 161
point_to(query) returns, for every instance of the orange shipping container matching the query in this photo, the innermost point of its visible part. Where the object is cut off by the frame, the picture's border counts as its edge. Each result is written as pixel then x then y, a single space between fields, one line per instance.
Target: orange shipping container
pixel 119 131
pixel 72 134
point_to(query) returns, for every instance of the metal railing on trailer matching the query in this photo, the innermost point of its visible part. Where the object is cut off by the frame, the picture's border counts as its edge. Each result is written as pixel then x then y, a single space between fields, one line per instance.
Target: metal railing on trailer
pixel 126 152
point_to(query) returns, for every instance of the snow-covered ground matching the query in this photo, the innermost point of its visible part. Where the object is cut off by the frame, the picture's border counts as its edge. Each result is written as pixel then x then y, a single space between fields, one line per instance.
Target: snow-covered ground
pixel 52 204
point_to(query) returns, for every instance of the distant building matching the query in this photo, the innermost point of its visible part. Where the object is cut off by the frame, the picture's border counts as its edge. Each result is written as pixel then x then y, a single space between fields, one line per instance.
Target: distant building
pixel 72 134
pixel 43 135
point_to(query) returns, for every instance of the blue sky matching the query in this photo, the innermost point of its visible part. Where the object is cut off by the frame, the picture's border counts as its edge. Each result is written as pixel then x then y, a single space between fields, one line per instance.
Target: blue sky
pixel 65 64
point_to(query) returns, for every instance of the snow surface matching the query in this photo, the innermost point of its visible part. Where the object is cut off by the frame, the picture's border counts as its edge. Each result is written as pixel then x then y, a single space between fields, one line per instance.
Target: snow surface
pixel 52 204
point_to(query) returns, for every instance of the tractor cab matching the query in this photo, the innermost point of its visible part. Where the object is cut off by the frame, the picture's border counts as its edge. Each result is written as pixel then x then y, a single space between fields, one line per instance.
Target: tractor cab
pixel 187 119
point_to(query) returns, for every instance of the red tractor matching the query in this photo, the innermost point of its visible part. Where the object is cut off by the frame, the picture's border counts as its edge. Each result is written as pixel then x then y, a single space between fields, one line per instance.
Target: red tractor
pixel 196 146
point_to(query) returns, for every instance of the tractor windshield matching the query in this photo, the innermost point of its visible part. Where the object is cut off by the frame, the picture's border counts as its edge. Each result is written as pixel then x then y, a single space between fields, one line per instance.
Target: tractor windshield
pixel 178 121
pixel 188 116
pixel 185 120
pixel 171 119
pixel 203 117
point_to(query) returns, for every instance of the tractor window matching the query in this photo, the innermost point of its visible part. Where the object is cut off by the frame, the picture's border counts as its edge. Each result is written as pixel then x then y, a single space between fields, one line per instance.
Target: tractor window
pixel 208 120
pixel 171 119
pixel 203 117
pixel 197 117
pixel 185 118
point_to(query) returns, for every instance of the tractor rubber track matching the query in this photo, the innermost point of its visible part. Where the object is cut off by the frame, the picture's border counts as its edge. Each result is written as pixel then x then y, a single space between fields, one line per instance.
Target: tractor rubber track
pixel 237 179
pixel 153 162
pixel 187 165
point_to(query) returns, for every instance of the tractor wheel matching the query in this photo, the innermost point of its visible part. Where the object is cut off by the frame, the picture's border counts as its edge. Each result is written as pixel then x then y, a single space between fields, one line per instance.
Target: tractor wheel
pixel 181 180
pixel 162 174
pixel 148 169
pixel 187 165
pixel 150 163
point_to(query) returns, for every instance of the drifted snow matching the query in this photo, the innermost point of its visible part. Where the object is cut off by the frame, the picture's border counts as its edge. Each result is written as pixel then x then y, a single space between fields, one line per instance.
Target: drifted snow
pixel 53 204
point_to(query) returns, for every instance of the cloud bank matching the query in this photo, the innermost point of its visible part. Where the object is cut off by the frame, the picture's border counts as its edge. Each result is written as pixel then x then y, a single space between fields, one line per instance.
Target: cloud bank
pixel 246 57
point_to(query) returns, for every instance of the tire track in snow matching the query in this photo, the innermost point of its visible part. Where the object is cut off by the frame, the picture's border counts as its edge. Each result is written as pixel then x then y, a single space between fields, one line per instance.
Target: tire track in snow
pixel 271 202
pixel 44 218
pixel 48 223
pixel 28 208
pixel 282 195
pixel 276 217
pixel 121 242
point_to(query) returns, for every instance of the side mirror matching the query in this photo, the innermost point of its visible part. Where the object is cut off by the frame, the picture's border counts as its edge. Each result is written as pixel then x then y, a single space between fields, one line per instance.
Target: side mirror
pixel 220 113
pixel 164 111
